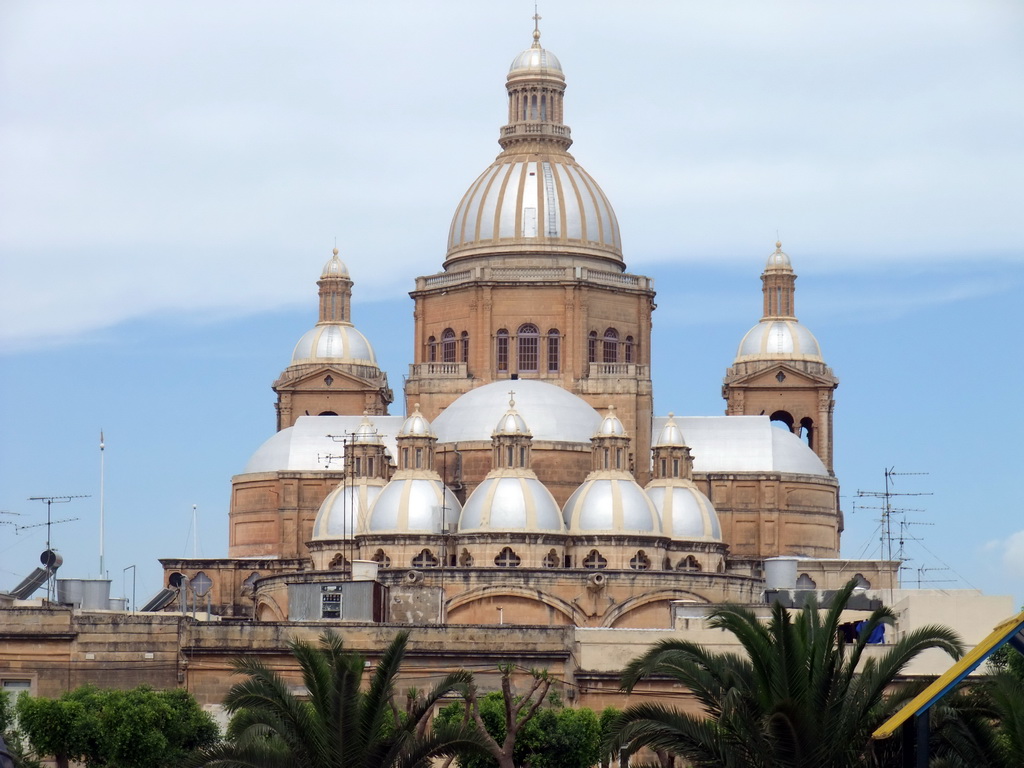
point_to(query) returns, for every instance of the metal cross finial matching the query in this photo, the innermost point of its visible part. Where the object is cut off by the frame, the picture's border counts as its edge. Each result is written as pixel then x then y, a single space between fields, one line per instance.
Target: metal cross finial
pixel 511 398
pixel 536 24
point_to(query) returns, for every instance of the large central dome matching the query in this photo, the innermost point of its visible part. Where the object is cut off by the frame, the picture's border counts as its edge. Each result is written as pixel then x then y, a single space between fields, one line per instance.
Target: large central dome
pixel 535 199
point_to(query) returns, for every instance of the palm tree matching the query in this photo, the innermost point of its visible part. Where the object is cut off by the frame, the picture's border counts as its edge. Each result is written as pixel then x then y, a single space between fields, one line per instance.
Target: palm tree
pixel 339 725
pixel 799 696
pixel 981 724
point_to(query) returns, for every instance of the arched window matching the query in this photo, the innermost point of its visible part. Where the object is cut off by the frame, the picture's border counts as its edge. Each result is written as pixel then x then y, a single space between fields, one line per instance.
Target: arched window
pixel 554 351
pixel 425 559
pixel 249 585
pixel 595 560
pixel 629 351
pixel 805 582
pixel 448 346
pixel 501 350
pixel 507 559
pixel 807 431
pixel 338 563
pixel 380 557
pixel 640 561
pixel 465 347
pixel 551 559
pixel 527 352
pixel 592 347
pixel 689 563
pixel 782 419
pixel 465 559
pixel 432 349
pixel 610 353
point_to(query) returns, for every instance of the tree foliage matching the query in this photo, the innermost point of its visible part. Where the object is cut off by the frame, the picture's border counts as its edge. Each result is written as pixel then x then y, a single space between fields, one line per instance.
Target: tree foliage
pixel 798 696
pixel 547 735
pixel 980 724
pixel 140 728
pixel 339 725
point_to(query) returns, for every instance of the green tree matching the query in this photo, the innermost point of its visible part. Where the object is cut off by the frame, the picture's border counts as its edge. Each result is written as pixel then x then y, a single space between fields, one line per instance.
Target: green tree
pixel 798 696
pixel 981 724
pixel 13 738
pixel 140 728
pixel 339 725
pixel 544 736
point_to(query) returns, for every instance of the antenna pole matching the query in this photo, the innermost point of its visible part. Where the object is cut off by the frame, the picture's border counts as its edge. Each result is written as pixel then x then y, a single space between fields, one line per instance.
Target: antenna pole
pixel 50 501
pixel 195 531
pixel 102 446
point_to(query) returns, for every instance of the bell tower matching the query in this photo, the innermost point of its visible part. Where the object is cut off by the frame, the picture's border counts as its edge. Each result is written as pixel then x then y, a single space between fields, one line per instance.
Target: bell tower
pixel 333 370
pixel 779 371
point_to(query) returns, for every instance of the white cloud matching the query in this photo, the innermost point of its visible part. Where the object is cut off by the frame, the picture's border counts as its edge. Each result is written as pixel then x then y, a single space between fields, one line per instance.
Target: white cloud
pixel 225 154
pixel 1012 555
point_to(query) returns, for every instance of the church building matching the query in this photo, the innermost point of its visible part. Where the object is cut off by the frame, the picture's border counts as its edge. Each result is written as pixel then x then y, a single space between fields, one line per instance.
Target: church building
pixel 529 473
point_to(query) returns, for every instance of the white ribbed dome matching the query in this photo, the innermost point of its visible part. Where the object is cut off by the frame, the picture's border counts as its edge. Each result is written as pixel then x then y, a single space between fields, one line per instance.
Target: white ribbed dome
pixel 553 413
pixel 670 435
pixel 534 203
pixel 416 425
pixel 345 510
pixel 511 502
pixel 536 60
pixel 685 512
pixel 778 260
pixel 335 267
pixel 366 433
pixel 779 340
pixel 610 425
pixel 413 505
pixel 610 502
pixel 336 342
pixel 511 423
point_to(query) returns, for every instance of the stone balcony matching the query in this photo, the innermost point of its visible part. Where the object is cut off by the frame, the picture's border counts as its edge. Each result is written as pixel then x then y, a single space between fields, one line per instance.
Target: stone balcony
pixel 438 371
pixel 618 371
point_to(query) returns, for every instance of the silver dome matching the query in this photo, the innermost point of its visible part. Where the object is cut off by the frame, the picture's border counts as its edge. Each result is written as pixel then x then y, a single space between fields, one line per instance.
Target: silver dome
pixel 744 444
pixel 366 433
pixel 344 512
pixel 685 512
pixel 337 342
pixel 611 504
pixel 416 425
pixel 511 503
pixel 335 267
pixel 670 434
pixel 413 505
pixel 308 445
pixel 778 260
pixel 554 414
pixel 610 425
pixel 528 202
pixel 511 423
pixel 536 59
pixel 779 339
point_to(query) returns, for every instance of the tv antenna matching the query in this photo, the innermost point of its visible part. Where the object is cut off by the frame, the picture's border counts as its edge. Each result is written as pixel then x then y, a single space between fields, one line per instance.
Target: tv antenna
pixel 50 501
pixel 923 570
pixel 889 512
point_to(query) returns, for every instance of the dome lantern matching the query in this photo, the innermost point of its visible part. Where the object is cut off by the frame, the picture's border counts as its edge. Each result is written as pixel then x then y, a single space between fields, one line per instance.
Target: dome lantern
pixel 535 197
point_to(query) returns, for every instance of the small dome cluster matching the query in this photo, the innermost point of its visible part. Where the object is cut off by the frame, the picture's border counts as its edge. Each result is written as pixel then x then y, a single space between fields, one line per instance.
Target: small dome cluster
pixel 511 500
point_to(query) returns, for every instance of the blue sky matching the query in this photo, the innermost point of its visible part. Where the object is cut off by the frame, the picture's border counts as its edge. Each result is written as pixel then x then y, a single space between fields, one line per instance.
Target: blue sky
pixel 176 174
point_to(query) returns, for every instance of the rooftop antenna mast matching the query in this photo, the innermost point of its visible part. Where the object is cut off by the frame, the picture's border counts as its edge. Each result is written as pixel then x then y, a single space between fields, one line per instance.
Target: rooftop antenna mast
pixel 347 440
pixel 50 501
pixel 102 446
pixel 195 530
pixel 889 511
